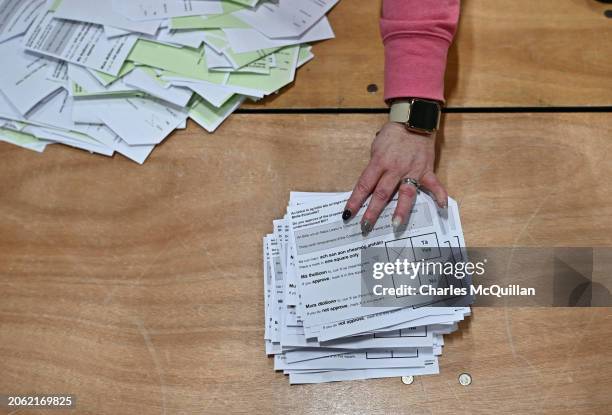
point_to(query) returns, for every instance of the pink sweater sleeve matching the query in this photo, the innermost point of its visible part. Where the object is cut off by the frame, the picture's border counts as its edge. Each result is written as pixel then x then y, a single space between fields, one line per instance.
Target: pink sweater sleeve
pixel 417 35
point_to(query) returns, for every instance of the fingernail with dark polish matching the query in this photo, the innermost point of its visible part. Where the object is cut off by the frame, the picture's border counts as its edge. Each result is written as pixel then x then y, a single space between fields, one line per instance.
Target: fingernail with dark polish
pixel 366 227
pixel 346 215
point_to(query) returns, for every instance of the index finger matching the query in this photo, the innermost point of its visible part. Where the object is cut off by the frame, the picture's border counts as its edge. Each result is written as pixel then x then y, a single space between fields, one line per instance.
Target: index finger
pixel 364 187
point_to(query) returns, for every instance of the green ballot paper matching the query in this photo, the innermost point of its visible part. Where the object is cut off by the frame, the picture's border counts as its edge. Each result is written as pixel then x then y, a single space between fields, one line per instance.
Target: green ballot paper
pixel 184 61
pixel 281 75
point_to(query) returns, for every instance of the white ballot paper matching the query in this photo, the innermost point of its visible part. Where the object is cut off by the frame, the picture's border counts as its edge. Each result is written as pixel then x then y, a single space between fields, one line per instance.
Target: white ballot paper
pixel 80 43
pixel 143 81
pixel 247 40
pixel 24 82
pixel 140 121
pixel 319 324
pixel 287 18
pixel 16 16
pixel 161 9
pixel 102 12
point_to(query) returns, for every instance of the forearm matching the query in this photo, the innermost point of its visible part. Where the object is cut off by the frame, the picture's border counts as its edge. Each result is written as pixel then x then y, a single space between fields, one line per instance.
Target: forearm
pixel 416 35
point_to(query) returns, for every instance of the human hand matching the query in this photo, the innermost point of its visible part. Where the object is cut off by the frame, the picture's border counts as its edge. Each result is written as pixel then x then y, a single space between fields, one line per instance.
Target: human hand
pixel 396 154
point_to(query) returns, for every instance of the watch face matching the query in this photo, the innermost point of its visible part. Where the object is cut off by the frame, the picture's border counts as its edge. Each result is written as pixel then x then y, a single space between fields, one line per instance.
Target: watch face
pixel 424 115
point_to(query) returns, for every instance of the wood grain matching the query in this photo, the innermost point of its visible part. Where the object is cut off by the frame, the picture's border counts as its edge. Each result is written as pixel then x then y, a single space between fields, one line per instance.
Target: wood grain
pixel 138 288
pixel 519 53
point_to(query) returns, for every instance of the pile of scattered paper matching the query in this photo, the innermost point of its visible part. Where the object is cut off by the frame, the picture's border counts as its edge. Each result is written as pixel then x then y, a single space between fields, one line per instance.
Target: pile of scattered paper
pixel 119 75
pixel 317 324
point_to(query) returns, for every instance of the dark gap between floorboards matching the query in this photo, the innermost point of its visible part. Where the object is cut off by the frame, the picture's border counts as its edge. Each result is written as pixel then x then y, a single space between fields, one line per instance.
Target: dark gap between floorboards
pixel 450 110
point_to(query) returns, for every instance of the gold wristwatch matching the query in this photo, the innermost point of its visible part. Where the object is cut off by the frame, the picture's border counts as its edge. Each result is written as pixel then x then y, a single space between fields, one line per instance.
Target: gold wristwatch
pixel 418 115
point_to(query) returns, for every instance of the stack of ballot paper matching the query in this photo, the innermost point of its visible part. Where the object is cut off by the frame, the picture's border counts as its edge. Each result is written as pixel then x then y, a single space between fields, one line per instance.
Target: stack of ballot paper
pixel 316 325
pixel 121 75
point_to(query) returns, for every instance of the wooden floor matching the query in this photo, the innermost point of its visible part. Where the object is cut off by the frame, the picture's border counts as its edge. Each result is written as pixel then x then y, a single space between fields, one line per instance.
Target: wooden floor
pixel 139 288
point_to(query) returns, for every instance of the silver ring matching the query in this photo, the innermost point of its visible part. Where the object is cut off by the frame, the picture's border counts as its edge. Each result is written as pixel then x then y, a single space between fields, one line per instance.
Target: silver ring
pixel 410 180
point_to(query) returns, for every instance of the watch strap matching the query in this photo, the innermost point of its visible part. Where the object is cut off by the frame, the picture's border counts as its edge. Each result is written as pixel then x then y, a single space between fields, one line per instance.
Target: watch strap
pixel 400 111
